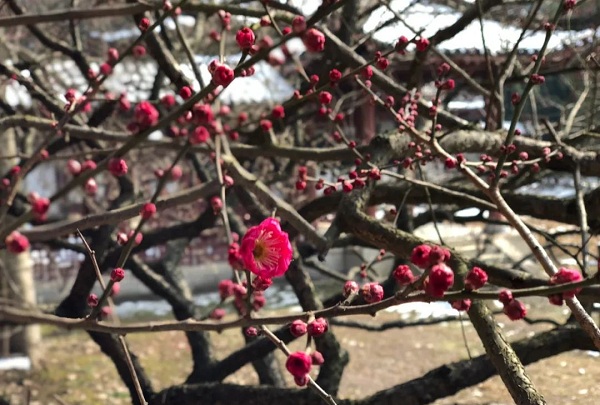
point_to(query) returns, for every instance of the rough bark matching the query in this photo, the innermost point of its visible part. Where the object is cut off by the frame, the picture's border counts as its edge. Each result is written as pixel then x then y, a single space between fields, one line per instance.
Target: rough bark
pixel 267 367
pixel 503 357
pixel 437 383
pixel 183 308
pixel 351 218
pixel 228 394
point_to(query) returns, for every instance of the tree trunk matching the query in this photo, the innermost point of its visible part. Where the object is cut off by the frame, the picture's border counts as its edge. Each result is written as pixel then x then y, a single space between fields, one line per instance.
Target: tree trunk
pixel 16 280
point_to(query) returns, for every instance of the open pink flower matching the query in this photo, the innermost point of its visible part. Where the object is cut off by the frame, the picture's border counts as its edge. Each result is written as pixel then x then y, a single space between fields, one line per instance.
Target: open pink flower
pixel 266 249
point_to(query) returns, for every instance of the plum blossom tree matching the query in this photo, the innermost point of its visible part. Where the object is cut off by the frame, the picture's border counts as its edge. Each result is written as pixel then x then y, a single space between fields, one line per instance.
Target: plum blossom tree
pixel 157 144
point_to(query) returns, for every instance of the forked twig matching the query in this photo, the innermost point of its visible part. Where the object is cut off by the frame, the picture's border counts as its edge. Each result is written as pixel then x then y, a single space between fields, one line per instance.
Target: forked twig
pixel 121 338
pixel 311 383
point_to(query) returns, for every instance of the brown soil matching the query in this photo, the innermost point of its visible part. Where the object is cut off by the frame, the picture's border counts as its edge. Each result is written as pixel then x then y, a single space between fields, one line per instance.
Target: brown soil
pixel 75 372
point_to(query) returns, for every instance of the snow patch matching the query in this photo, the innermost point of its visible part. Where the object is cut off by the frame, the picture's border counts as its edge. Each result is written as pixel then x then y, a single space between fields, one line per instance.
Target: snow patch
pixel 15 363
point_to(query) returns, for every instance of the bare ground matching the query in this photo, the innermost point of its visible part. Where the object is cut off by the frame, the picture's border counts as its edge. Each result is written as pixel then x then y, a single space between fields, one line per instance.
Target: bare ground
pixel 75 372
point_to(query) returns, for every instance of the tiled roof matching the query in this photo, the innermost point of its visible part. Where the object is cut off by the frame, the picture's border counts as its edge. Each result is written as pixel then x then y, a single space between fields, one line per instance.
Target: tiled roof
pixel 431 18
pixel 135 77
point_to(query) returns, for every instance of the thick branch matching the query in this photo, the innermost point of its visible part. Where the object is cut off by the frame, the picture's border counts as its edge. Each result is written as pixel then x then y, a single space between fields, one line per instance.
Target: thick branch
pixel 438 383
pixel 61 228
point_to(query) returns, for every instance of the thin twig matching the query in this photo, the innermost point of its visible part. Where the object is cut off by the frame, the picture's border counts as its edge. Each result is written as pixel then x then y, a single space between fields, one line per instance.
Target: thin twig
pixel 122 342
pixel 311 383
pixel 464 335
pixel 430 204
pixel 583 222
pixel 28 316
pixel 521 104
pixel 584 319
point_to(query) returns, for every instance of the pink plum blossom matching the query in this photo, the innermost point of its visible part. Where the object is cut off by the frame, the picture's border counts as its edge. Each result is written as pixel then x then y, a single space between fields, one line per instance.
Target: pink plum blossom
pixel 266 250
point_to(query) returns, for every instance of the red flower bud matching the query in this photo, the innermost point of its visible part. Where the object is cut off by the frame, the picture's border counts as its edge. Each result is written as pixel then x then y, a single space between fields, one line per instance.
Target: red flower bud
pixel 335 76
pixel 16 242
pixel 217 204
pixel 117 274
pixel 266 125
pixel 401 44
pixel 92 300
pixel 122 238
pixel 383 63
pixel 299 24
pixel 372 292
pixel 317 358
pixel 245 38
pixel 569 4
pixel 298 328
pixel 443 69
pixel 450 163
pixel 225 288
pixel 223 75
pixel 462 305
pixel 251 331
pixel 74 167
pixel 105 312
pixel 261 283
pixel 176 172
pixel 347 186
pixel 422 44
pixel 217 314
pixel 117 167
pixel 185 92
pixel 565 275
pixel 314 40
pixel 115 290
pixel 420 256
pixel 91 187
pixel 148 210
pixel 448 85
pixel 200 135
pixel 537 79
pixel 325 97
pixel 440 279
pixel 317 327
pixel 515 310
pixel 438 254
pixel 299 364
pixel 139 51
pixel 476 278
pixel 112 55
pixel 350 287
pixel 168 100
pixel 505 296
pixel 403 275
pixel 70 95
pixel 146 115
pixel 106 69
pixel 278 112
pixel 144 24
